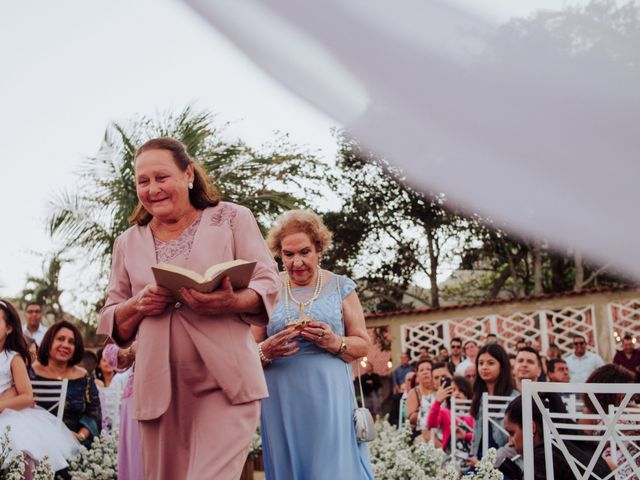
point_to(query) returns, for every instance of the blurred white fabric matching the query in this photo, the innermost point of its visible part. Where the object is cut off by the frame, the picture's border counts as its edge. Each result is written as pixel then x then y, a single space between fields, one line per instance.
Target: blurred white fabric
pixel 534 122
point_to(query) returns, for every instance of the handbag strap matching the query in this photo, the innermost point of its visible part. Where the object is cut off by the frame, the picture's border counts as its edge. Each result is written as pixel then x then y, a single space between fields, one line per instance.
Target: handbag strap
pixel 344 331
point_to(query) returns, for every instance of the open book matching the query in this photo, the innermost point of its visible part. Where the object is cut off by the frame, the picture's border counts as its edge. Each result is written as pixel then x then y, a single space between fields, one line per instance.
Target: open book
pixel 174 278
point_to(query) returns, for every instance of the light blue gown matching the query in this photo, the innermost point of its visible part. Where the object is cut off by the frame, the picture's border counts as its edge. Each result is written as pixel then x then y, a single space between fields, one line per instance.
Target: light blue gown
pixel 307 421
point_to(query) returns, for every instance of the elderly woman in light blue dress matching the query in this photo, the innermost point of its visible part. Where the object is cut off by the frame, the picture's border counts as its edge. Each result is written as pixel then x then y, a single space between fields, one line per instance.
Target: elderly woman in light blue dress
pixel 314 333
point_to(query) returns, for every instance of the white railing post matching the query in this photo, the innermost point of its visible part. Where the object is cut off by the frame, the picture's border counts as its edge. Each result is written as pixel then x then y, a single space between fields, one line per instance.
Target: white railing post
pixel 544 333
pixel 446 333
pixel 493 324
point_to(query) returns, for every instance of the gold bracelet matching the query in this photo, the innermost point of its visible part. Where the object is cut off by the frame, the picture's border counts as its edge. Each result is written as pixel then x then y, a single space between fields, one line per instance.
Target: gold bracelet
pixel 343 347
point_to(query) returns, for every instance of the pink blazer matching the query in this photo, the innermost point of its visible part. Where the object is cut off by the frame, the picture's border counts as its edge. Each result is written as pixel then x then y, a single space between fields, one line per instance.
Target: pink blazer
pixel 225 344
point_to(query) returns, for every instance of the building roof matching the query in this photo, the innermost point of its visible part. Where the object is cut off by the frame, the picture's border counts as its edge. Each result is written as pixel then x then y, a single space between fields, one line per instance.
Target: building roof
pixel 501 301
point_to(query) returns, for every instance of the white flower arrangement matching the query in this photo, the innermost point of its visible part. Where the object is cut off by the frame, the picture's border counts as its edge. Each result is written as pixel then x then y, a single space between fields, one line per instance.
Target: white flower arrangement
pixel 255 448
pixel 100 462
pixel 394 457
pixel 485 469
pixel 15 464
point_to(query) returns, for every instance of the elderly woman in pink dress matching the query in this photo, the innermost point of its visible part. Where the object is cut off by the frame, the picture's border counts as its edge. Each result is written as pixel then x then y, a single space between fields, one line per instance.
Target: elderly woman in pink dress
pixel 198 377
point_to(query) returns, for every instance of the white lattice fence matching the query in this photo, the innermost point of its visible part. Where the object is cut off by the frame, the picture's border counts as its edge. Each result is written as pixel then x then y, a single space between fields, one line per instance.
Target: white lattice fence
pixel 471 328
pixel 540 327
pixel 519 327
pixel 563 324
pixel 432 335
pixel 624 319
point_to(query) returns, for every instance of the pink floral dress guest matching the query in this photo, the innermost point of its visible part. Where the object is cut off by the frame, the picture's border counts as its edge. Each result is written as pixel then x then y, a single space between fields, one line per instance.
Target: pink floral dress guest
pixel 129 449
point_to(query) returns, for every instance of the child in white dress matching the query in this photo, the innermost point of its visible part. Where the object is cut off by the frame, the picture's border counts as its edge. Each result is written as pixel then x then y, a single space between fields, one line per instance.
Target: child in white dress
pixel 34 431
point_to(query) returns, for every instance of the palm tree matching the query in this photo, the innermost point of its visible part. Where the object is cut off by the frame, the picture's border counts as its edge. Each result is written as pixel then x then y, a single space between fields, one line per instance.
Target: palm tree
pixel 268 180
pixel 46 290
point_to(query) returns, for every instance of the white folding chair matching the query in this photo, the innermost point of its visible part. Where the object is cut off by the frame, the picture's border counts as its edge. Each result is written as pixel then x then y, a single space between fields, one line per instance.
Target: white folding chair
pixel 458 408
pixel 617 428
pixel 52 392
pixel 493 408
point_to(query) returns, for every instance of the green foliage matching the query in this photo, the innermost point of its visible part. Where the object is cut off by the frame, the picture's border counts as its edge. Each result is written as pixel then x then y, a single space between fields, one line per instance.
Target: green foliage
pixel 387 233
pixel 269 180
pixel 45 290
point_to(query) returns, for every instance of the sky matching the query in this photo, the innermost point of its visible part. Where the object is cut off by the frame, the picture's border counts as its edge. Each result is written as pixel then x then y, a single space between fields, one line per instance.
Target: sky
pixel 71 68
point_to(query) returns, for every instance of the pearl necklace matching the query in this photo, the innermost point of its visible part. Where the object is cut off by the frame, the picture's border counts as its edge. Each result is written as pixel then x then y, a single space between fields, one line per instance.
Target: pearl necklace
pixel 301 305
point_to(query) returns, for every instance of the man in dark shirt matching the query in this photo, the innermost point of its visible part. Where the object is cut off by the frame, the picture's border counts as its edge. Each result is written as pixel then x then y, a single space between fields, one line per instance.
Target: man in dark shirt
pixel 628 357
pixel 561 468
pixel 371 385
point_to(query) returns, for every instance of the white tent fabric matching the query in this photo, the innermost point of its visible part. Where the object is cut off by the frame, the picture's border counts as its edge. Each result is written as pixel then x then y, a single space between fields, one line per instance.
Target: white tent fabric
pixel 534 122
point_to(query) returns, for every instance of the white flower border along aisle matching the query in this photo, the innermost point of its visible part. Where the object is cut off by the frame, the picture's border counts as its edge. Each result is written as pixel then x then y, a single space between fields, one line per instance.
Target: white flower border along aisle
pixel 100 462
pixel 394 458
pixel 15 464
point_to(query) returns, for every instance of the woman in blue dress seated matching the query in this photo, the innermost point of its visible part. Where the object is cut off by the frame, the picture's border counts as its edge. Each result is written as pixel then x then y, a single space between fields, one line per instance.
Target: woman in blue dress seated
pixel 59 354
pixel 315 331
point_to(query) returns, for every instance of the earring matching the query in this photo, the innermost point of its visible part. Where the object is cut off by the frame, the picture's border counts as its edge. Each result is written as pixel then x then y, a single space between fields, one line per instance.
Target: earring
pixel 190 185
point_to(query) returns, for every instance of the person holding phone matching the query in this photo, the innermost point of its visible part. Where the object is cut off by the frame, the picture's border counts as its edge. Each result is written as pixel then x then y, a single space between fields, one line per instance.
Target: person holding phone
pixel 440 414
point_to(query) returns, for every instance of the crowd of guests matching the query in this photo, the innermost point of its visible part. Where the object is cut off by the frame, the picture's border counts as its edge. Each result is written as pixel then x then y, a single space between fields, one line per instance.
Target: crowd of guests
pixel 422 389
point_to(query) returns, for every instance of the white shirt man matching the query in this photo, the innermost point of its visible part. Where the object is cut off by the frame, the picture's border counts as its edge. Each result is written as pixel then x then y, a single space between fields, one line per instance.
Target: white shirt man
pixel 581 363
pixel 471 351
pixel 34 328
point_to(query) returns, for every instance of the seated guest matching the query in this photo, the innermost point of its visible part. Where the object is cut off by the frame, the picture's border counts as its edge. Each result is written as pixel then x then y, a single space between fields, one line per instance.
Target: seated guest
pixel 110 386
pixel 558 371
pixel 58 356
pixel 611 373
pixel 455 357
pixel 528 366
pixel 581 363
pixel 32 346
pixel 420 398
pixel 629 357
pixel 408 385
pixel 513 425
pixel 32 431
pixel 471 352
pixel 494 377
pixel 443 355
pixel 440 413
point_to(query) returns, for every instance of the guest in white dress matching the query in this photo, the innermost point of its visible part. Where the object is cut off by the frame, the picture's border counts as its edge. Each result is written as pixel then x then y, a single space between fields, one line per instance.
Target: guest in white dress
pixel 34 431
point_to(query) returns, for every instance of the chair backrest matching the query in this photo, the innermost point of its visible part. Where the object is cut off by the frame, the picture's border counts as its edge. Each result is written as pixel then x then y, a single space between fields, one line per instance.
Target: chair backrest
pixel 617 428
pixel 493 408
pixel 51 394
pixel 458 408
pixel 574 404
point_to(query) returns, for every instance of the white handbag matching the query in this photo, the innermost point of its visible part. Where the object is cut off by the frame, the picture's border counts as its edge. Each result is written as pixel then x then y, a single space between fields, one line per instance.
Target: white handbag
pixel 362 418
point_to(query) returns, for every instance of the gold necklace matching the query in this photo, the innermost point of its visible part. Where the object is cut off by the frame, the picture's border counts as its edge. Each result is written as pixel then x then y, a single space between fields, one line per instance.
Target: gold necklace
pixel 303 318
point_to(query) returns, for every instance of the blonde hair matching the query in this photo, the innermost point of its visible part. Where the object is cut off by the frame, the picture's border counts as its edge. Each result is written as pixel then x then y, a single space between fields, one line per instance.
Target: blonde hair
pixel 299 221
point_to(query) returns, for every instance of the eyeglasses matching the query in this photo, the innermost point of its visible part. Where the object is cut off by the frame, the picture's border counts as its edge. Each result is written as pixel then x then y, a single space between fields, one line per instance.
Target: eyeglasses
pixel 576 344
pixel 455 346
